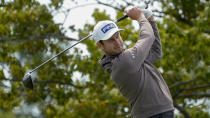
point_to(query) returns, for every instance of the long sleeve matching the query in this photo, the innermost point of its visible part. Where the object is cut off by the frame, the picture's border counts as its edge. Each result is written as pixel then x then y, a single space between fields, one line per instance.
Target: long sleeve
pixel 155 52
pixel 142 47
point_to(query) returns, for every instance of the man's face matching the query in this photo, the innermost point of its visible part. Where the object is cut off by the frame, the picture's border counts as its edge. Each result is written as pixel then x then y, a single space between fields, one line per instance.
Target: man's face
pixel 113 45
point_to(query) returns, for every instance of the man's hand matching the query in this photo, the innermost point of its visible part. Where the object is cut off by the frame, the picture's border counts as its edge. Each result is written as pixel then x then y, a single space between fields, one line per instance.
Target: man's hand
pixel 135 13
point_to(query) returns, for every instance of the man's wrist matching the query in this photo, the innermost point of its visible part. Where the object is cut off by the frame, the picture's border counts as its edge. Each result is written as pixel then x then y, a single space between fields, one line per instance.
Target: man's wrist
pixel 151 18
pixel 141 17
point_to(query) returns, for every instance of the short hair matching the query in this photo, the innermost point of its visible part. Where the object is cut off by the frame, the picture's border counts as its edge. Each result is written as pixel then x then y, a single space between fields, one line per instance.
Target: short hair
pixel 101 42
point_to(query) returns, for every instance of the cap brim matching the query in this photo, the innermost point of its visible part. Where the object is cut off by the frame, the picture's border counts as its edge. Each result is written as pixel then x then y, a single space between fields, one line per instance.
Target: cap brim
pixel 111 33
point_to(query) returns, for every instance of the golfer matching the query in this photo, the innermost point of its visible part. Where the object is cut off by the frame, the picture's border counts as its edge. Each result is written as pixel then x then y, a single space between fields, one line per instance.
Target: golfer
pixel 132 69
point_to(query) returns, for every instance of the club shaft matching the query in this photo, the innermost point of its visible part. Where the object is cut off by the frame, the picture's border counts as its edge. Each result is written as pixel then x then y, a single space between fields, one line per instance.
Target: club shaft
pixel 60 53
pixel 118 20
pixel 122 18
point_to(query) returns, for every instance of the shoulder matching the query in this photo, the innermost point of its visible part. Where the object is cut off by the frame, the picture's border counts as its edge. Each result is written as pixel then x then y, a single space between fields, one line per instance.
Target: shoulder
pixel 124 57
pixel 124 61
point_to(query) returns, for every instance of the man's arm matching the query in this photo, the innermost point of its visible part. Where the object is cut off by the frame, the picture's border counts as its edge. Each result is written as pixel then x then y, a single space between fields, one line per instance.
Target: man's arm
pixel 155 52
pixel 142 47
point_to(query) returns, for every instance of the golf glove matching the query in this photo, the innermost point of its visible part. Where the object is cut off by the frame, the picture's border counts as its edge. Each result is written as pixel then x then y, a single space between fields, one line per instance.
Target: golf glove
pixel 148 13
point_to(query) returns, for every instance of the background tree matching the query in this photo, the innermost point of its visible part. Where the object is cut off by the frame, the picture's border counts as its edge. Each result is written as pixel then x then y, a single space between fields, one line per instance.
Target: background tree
pixel 28 36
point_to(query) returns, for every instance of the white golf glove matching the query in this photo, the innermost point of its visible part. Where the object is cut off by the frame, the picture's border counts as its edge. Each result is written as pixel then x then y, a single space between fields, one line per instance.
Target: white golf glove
pixel 148 13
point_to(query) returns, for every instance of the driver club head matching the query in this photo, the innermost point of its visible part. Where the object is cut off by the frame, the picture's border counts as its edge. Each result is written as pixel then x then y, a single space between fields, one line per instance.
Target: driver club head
pixel 27 81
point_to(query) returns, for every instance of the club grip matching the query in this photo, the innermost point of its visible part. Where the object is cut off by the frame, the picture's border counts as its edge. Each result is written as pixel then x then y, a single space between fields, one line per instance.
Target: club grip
pixel 125 16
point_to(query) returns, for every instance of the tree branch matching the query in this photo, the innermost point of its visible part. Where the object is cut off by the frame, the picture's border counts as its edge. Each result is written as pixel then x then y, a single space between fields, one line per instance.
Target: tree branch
pixel 58 82
pixel 47 82
pixel 177 16
pixel 40 37
pixel 3 5
pixel 182 83
pixel 177 92
pixel 207 31
pixel 193 95
pixel 157 11
pixel 3 85
pixel 183 20
pixel 128 3
pixel 109 5
pixel 198 87
pixel 78 6
pixel 182 110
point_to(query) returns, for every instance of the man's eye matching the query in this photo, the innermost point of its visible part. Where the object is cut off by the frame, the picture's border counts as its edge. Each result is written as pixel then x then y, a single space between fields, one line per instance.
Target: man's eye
pixel 110 40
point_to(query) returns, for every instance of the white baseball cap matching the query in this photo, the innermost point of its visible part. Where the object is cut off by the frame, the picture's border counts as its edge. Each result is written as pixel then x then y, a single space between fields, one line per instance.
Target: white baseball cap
pixel 104 30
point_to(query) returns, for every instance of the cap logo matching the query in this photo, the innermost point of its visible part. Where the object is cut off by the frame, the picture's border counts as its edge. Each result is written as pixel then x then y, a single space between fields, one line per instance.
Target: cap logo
pixel 107 27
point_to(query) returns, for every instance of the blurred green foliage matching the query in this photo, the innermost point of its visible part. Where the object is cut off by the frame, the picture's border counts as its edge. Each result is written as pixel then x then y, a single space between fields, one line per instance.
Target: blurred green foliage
pixel 26 27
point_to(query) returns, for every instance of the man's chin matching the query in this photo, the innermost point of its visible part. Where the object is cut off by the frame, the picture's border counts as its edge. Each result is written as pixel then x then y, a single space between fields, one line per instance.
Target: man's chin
pixel 118 52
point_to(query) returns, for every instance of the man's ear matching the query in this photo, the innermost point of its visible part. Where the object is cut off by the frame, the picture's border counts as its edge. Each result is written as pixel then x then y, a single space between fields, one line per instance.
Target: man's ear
pixel 100 45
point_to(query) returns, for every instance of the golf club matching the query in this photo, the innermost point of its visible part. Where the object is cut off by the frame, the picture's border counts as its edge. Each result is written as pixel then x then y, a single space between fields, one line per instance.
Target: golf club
pixel 28 81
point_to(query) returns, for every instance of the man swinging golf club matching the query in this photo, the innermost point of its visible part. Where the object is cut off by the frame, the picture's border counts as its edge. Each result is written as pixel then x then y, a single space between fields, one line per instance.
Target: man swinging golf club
pixel 132 69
